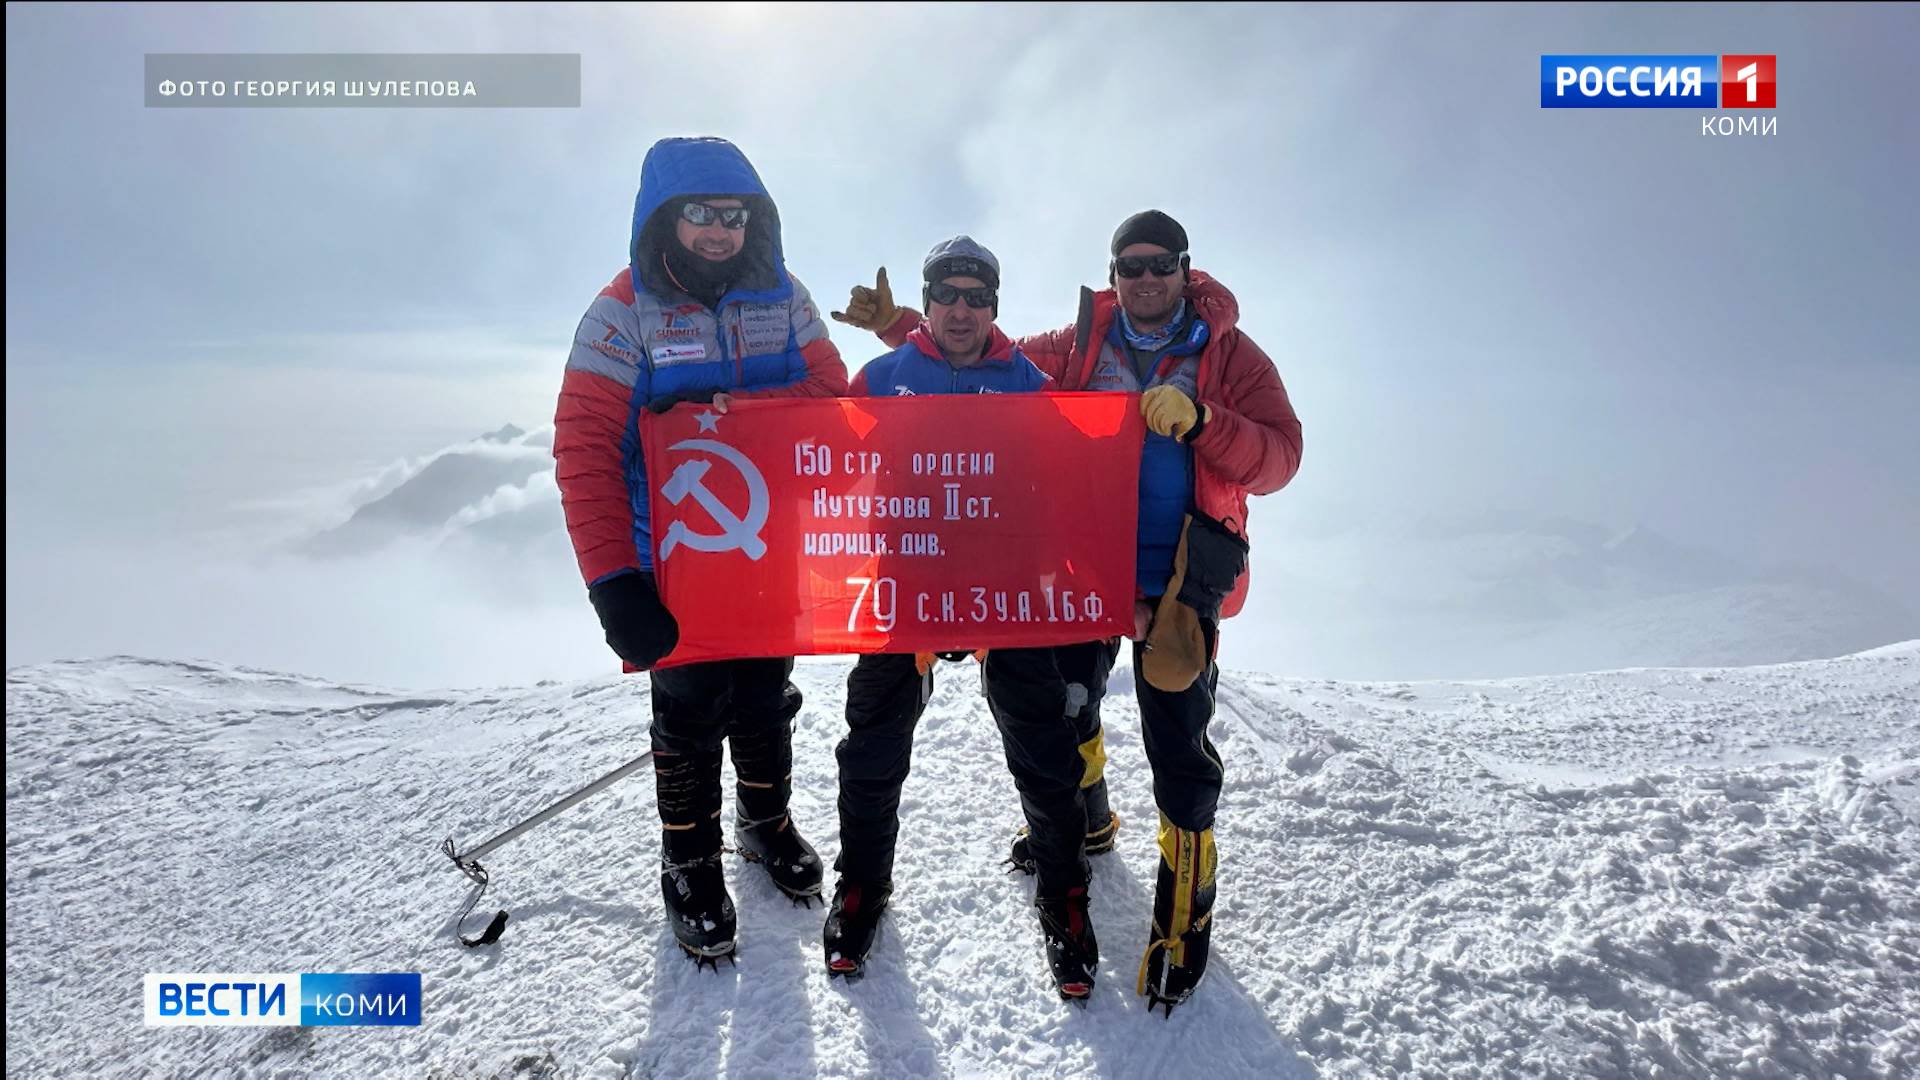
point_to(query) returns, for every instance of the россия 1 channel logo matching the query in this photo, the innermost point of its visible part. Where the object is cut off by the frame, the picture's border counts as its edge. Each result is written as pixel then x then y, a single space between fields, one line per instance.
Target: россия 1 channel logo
pixel 1730 81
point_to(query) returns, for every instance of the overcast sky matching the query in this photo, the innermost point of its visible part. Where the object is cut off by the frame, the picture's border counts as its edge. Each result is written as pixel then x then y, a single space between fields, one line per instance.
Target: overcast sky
pixel 1478 305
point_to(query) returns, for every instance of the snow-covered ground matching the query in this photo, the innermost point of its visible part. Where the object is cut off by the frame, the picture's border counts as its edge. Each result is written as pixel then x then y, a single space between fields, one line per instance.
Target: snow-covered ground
pixel 1644 872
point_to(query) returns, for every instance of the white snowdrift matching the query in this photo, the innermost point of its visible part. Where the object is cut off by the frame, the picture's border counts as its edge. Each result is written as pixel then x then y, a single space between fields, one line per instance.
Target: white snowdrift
pixel 1648 872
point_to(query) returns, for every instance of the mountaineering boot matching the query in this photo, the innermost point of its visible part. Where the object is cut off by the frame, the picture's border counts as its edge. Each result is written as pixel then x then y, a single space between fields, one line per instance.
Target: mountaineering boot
pixel 1099 842
pixel 1072 952
pixel 853 921
pixel 692 883
pixel 787 857
pixel 1182 917
pixel 1102 826
pixel 698 907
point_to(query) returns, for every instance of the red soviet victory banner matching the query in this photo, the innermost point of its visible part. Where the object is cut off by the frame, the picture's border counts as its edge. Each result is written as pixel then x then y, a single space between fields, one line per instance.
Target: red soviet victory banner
pixel 895 524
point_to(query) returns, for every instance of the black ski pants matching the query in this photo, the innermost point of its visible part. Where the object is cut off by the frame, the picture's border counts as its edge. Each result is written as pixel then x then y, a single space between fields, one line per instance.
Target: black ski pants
pixel 1028 691
pixel 1029 700
pixel 1187 771
pixel 750 704
pixel 886 694
pixel 1085 668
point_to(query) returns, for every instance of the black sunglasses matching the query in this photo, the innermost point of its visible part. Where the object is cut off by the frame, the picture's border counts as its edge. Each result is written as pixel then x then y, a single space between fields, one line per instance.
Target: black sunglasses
pixel 733 217
pixel 1132 266
pixel 981 297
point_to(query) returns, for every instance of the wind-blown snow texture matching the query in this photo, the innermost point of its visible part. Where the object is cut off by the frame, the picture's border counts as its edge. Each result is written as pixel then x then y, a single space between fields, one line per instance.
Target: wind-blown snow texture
pixel 1647 872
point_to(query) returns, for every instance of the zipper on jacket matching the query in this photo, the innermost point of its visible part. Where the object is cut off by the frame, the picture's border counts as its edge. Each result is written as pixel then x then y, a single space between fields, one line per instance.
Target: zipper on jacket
pixel 739 359
pixel 720 331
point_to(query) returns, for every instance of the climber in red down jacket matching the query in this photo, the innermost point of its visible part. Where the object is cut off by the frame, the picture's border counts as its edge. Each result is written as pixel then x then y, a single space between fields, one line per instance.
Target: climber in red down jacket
pixel 706 312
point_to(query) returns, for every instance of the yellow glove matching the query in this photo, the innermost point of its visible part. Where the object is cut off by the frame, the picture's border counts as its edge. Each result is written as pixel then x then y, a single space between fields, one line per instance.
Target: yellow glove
pixel 1175 651
pixel 1169 412
pixel 870 309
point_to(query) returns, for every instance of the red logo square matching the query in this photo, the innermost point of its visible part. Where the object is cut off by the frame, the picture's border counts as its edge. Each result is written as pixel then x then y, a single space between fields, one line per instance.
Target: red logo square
pixel 1746 82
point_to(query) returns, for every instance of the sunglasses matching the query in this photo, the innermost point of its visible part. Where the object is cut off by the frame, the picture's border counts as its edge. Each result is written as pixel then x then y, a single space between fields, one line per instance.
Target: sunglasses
pixel 1132 266
pixel 732 217
pixel 981 297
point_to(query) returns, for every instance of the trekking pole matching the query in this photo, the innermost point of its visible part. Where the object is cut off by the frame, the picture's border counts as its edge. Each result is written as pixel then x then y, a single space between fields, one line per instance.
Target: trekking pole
pixel 469 862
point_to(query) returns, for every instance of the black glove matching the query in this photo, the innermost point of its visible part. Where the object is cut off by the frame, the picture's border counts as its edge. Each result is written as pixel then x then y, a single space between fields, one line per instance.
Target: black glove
pixel 1215 559
pixel 639 627
pixel 667 401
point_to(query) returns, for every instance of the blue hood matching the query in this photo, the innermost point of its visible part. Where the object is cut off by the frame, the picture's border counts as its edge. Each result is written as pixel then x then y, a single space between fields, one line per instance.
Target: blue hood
pixel 678 168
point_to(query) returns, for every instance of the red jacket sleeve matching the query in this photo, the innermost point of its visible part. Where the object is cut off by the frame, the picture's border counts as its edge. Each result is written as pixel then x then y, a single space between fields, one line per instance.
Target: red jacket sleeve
pixel 1252 437
pixel 895 333
pixel 1052 353
pixel 590 429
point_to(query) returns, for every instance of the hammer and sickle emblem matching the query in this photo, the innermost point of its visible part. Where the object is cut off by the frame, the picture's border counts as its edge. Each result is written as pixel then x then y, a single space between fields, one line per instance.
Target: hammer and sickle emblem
pixel 737 531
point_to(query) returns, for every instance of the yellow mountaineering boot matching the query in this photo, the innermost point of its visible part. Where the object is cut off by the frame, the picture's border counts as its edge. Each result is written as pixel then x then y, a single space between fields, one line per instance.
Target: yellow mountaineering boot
pixel 1182 916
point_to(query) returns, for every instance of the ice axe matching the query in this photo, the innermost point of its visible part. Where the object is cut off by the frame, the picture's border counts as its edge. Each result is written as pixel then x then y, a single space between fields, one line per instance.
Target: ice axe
pixel 469 862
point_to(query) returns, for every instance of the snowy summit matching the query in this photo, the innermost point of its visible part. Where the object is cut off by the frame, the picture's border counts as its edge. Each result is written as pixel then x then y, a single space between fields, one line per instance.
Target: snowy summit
pixel 1656 872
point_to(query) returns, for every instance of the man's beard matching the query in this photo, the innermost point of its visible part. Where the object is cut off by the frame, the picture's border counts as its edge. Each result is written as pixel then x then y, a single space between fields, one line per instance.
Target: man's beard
pixel 704 279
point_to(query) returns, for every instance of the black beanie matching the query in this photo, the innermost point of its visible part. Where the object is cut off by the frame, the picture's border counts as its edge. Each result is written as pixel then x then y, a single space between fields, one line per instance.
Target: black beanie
pixel 1150 227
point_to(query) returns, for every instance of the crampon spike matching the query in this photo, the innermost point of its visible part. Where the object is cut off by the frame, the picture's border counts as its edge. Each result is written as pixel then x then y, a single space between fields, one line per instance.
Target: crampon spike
pixel 709 960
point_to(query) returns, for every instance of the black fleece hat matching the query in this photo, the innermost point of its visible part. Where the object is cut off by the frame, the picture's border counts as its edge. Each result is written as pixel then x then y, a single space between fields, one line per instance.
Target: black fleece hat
pixel 1150 227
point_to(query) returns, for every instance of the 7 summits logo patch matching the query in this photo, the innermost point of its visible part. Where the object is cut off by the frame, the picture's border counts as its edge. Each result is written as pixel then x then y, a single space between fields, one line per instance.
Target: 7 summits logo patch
pixel 1636 81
